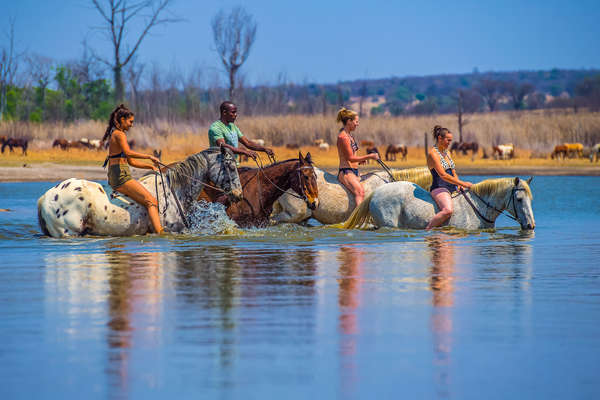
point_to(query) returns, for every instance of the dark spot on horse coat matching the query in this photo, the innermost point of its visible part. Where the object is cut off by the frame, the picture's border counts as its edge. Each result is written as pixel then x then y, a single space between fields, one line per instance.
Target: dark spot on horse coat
pixel 57 210
pixel 56 185
pixel 65 185
pixel 78 189
pixel 66 211
pixel 81 198
pixel 89 205
pixel 105 208
pixel 113 211
pixel 66 230
pixel 105 218
pixel 100 189
pixel 55 197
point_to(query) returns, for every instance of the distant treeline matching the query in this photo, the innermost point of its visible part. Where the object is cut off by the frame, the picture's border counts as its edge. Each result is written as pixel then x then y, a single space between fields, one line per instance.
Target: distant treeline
pixel 46 92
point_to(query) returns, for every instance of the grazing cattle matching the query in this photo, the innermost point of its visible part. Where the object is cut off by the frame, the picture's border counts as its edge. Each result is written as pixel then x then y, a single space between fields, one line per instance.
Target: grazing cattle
pixel 367 143
pixel 372 150
pixel 392 150
pixel 14 142
pixel 595 152
pixel 574 149
pixel 317 142
pixel 292 146
pixel 465 147
pixel 157 153
pixel 504 151
pixel 324 146
pixel 560 151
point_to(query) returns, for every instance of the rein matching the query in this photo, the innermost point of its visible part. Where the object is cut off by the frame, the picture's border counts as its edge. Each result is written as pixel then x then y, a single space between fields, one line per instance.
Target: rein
pixel 386 169
pixel 261 170
pixel 512 198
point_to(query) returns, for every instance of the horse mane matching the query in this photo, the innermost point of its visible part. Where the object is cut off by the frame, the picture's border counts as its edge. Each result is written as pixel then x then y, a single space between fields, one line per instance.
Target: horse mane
pixel 418 175
pixel 180 173
pixel 497 186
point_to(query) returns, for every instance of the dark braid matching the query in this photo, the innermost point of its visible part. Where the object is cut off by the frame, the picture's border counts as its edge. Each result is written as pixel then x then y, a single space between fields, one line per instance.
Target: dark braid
pixel 439 131
pixel 115 118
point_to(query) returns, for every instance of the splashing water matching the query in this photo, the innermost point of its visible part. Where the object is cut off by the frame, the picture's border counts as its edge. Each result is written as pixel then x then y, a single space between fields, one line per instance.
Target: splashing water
pixel 210 219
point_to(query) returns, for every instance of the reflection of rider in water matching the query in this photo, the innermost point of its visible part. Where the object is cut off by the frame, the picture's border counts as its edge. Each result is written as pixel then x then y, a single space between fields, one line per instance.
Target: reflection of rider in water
pixel 445 178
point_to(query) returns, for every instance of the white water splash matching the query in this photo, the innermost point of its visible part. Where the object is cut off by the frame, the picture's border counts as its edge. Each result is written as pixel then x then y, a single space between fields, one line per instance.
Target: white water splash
pixel 210 219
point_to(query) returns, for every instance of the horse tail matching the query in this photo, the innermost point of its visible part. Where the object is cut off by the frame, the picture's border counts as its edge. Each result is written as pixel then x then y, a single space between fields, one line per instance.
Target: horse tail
pixel 361 215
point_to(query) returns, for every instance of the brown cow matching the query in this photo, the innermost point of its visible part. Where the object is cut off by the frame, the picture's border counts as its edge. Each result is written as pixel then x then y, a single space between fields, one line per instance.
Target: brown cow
pixel 392 150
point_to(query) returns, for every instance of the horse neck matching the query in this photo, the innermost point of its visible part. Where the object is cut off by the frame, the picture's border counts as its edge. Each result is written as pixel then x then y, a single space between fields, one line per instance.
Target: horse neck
pixel 497 201
pixel 279 174
pixel 188 177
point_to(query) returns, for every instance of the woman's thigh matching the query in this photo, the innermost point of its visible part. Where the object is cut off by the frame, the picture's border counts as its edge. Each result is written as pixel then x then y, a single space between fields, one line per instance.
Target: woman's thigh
pixel 351 181
pixel 137 192
pixel 443 199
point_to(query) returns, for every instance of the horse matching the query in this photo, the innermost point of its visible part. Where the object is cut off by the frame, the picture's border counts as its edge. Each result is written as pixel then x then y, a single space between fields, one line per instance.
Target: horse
pixel 392 150
pixel 367 143
pixel 465 147
pixel 262 186
pixel 157 153
pixel 324 146
pixel 372 150
pixel 560 151
pixel 406 205
pixel 77 207
pixel 595 151
pixel 335 200
pixel 503 151
pixel 14 142
pixel 574 149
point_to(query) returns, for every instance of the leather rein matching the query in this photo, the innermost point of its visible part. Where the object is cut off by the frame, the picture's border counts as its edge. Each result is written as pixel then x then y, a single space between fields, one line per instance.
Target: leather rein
pixel 483 217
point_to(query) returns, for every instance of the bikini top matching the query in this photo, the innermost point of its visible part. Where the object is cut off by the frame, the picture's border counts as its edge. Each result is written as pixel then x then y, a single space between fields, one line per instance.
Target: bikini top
pixel 447 163
pixel 119 155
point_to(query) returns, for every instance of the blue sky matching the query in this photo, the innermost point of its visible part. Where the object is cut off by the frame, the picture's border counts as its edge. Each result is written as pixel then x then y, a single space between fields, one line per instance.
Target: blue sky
pixel 329 41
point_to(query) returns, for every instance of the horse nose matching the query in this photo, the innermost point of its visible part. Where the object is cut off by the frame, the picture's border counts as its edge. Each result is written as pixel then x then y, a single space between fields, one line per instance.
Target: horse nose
pixel 313 204
pixel 237 195
pixel 530 226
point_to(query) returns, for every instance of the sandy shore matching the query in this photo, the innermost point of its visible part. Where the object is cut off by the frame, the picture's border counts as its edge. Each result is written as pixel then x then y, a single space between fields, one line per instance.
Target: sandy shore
pixel 52 172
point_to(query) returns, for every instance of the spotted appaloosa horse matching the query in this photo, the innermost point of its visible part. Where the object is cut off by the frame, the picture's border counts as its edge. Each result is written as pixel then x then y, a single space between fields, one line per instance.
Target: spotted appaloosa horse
pixel 78 207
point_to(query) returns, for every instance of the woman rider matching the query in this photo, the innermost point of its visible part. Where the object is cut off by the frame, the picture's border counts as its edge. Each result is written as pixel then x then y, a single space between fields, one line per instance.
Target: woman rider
pixel 445 179
pixel 120 155
pixel 347 148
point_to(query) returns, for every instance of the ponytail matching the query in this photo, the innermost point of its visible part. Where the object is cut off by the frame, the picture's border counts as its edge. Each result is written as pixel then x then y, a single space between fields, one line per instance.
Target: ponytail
pixel 439 131
pixel 344 115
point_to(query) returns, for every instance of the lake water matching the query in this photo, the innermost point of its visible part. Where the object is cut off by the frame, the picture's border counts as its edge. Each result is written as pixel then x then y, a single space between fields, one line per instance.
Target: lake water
pixel 296 312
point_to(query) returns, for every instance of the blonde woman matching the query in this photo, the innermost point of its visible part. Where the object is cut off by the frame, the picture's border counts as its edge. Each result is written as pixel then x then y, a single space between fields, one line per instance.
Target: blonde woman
pixel 445 179
pixel 347 148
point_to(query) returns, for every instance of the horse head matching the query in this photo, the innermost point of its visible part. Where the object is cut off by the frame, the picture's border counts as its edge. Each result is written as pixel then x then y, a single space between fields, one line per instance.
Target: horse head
pixel 223 172
pixel 520 198
pixel 306 184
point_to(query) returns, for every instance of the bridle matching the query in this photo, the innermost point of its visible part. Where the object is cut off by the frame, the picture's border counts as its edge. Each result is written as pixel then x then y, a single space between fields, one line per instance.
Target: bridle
pixel 302 196
pixel 511 199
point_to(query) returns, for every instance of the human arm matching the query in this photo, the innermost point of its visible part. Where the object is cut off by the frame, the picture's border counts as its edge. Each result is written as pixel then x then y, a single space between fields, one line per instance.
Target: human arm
pixel 131 155
pixel 345 148
pixel 236 150
pixel 255 146
pixel 433 161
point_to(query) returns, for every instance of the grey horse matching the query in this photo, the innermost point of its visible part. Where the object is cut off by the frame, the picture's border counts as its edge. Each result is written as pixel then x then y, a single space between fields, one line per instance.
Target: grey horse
pixel 78 207
pixel 406 205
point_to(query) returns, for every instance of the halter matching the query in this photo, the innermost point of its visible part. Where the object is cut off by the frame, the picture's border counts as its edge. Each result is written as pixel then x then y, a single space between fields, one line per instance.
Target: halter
pixel 512 198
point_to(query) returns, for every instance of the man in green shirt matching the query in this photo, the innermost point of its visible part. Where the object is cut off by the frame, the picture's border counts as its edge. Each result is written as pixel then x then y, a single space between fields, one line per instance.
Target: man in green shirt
pixel 223 132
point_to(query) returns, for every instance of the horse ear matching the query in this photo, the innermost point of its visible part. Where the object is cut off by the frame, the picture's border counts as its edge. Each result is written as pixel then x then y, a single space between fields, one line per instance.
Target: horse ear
pixel 308 158
pixel 517 180
pixel 529 180
pixel 300 156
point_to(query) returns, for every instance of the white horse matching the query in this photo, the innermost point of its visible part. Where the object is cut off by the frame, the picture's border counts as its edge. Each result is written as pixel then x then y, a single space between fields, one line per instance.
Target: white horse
pixel 595 151
pixel 406 205
pixel 336 202
pixel 79 207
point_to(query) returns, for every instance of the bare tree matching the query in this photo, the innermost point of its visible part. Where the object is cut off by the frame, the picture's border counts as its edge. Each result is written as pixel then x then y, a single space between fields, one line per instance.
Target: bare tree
pixel 8 66
pixel 118 16
pixel 467 101
pixel 40 72
pixel 234 33
pixel 517 93
pixel 490 90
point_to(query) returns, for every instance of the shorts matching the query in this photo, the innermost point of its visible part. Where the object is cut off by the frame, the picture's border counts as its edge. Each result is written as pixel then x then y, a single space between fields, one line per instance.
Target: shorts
pixel 118 174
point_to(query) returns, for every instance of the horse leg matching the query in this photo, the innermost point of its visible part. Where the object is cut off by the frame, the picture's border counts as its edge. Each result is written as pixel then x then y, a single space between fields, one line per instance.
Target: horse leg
pixel 141 195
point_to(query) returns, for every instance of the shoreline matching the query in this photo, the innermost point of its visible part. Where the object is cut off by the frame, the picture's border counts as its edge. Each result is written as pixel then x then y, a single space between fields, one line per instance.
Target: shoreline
pixel 51 172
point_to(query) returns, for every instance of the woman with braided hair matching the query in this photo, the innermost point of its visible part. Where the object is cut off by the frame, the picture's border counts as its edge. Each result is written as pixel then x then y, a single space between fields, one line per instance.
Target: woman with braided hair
pixel 347 148
pixel 120 156
pixel 445 178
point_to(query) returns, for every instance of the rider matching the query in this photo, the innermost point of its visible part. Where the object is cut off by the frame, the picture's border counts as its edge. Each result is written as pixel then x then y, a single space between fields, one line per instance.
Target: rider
pixel 347 148
pixel 445 179
pixel 120 155
pixel 223 132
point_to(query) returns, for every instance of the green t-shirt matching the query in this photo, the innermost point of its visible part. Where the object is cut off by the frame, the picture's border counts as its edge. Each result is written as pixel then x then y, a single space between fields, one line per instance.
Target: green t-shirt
pixel 218 130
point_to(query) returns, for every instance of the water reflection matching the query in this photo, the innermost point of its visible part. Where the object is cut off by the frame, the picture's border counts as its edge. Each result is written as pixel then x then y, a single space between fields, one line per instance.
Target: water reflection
pixel 441 282
pixel 350 272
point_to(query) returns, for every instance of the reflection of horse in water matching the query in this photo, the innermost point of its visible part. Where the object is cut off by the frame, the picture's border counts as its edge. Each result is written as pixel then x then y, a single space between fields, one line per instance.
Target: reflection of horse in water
pixel 335 201
pixel 261 187
pixel 80 207
pixel 406 205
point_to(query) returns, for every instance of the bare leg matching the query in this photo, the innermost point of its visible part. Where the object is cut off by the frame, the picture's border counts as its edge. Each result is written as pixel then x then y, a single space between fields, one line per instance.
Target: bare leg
pixel 353 184
pixel 139 194
pixel 444 202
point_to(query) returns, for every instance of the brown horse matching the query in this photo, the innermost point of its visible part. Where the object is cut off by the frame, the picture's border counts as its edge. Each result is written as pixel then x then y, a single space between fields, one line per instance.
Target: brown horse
pixel 14 142
pixel 465 147
pixel 560 151
pixel 261 187
pixel 392 150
